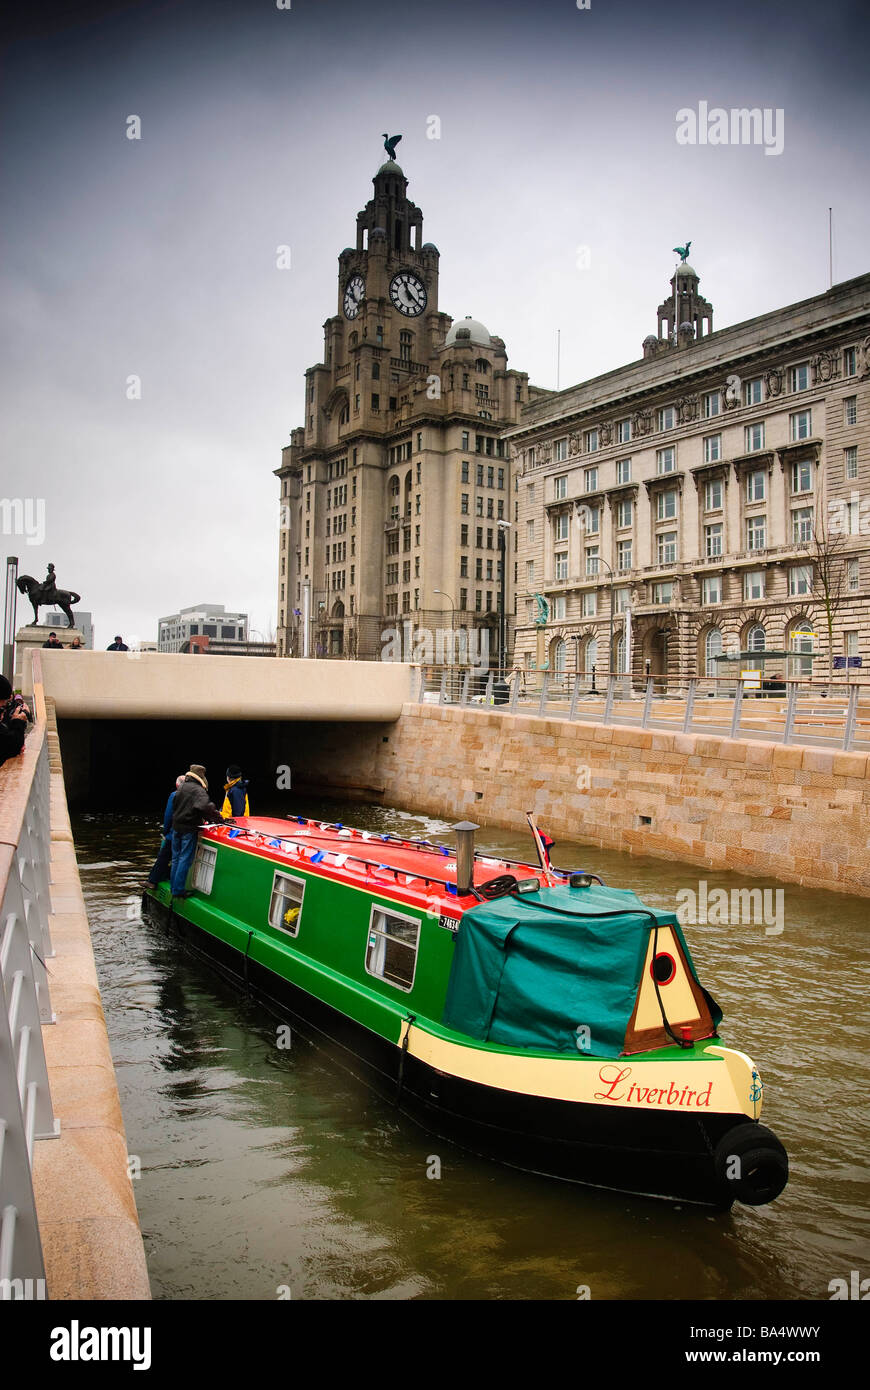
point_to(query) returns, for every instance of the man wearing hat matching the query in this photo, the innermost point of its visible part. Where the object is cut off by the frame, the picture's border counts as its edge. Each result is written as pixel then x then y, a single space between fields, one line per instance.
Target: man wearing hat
pixel 13 722
pixel 236 788
pixel 192 807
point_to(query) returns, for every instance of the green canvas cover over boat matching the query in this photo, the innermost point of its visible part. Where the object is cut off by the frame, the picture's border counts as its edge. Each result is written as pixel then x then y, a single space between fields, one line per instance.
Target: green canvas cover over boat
pixel 531 969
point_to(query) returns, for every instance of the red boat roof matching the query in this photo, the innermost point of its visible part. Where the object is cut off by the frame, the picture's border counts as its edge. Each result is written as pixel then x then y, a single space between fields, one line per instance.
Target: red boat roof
pixel 415 871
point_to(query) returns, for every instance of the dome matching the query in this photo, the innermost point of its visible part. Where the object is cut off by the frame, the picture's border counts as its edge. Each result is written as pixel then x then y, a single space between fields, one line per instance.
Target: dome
pixel 430 246
pixel 468 330
pixel 650 340
pixel 686 269
pixel 391 167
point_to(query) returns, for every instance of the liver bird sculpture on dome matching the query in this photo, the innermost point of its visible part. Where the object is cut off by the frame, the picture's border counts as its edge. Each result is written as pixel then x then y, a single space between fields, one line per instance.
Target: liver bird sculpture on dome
pixel 683 251
pixel 390 143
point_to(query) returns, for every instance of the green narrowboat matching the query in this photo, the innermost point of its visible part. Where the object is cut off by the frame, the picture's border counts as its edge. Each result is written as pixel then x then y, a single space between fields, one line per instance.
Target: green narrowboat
pixel 531 1015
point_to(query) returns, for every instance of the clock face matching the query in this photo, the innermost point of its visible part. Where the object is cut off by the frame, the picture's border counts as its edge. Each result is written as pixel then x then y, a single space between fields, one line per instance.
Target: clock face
pixel 353 295
pixel 408 293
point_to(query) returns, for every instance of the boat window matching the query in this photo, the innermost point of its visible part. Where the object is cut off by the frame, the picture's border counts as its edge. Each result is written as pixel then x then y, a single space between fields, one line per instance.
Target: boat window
pixel 391 953
pixel 203 868
pixel 285 909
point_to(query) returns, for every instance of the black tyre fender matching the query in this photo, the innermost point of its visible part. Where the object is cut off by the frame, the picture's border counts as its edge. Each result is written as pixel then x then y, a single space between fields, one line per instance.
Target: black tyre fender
pixel 751 1165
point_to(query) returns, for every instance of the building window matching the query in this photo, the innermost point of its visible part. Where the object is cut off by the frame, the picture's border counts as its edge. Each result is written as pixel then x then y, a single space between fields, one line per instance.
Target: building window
pixel 560 528
pixel 590 441
pixel 667 548
pixel 560 450
pixel 465 471
pixel 665 460
pixel 713 495
pixel 530 493
pixel 802 525
pixel 501 480
pixel 590 604
pixel 623 555
pixel 559 608
pixel 753 436
pixel 285 906
pixel 799 377
pixel 561 564
pixel 850 361
pixel 590 655
pixel 850 410
pixel 490 477
pixel 623 600
pixel 663 593
pixel 560 487
pixel 623 431
pixel 755 483
pixel 666 418
pixel 391 951
pixel 711 589
pixel 590 480
pixel 712 404
pixel 623 471
pixel 203 868
pixel 757 639
pixel 850 462
pixel 591 561
pixel 753 391
pixel 800 579
pixel 623 513
pixel 802 476
pixel 530 531
pixel 801 424
pixel 530 572
pixel 753 584
pixel 713 540
pixel 853 576
pixel 712 649
pixel 666 505
pixel 755 533
pixel 712 448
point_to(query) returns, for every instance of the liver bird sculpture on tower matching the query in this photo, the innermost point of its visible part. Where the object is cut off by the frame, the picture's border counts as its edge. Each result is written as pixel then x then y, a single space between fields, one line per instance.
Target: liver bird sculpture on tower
pixel 390 143
pixel 683 251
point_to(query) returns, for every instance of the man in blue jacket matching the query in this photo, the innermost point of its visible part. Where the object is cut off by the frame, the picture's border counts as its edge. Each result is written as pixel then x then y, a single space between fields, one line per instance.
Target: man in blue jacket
pixel 192 807
pixel 160 869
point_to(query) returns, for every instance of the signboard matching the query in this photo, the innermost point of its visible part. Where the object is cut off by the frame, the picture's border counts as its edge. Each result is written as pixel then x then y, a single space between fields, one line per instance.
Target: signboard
pixel 751 679
pixel 842 662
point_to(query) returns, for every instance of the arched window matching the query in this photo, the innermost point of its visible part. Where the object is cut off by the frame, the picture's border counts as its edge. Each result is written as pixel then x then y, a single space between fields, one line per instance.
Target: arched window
pixel 558 657
pixel 801 640
pixel 394 486
pixel 590 655
pixel 756 640
pixel 621 668
pixel 712 649
pixel 481 365
pixel 406 340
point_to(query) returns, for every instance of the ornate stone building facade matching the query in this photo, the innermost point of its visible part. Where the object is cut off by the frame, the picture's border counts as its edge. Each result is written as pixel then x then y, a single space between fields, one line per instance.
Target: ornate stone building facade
pixel 717 493
pixel 393 489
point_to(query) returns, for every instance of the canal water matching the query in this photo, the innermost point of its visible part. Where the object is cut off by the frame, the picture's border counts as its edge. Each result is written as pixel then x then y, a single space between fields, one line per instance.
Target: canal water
pixel 269 1172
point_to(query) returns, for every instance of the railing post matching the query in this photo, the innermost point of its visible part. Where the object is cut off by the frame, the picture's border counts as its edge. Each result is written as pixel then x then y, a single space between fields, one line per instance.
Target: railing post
pixel 515 693
pixel 851 716
pixel 575 695
pixel 421 691
pixel 790 708
pixel 466 680
pixel 738 706
pixel 690 705
pixel 647 702
pixel 442 693
pixel 487 695
pixel 545 683
pixel 608 699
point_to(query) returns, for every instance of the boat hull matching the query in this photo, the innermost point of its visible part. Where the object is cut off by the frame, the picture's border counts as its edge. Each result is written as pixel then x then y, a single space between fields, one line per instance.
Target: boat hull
pixel 656 1153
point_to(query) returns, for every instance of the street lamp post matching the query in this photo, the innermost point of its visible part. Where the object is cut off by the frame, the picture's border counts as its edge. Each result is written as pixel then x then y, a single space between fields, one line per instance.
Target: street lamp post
pixel 610 647
pixel 444 594
pixel 503 528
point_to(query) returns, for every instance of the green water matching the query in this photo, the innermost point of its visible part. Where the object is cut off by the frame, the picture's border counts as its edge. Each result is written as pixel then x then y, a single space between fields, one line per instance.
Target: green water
pixel 270 1172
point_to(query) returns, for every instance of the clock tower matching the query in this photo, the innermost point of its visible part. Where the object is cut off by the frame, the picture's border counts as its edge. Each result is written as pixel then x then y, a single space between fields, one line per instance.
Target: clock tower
pixel 377 507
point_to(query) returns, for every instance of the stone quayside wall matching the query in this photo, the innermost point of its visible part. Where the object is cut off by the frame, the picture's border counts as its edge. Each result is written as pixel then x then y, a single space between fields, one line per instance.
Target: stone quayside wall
pixel 790 813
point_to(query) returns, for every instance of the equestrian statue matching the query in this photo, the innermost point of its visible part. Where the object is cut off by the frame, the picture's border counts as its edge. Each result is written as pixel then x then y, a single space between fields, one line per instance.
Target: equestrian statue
pixel 47 593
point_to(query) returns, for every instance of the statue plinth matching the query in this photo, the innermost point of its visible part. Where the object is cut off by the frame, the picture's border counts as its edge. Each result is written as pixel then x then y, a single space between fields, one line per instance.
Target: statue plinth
pixel 30 639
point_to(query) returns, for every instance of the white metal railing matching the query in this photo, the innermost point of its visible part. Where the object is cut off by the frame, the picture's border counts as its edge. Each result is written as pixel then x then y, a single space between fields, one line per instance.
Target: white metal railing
pixel 824 715
pixel 26 1112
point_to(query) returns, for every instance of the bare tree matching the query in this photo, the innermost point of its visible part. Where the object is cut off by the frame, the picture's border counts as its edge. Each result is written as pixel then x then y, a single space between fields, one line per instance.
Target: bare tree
pixel 824 551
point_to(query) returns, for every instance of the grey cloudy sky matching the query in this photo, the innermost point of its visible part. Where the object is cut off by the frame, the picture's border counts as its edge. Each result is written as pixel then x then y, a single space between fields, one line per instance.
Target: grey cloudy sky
pixel 261 127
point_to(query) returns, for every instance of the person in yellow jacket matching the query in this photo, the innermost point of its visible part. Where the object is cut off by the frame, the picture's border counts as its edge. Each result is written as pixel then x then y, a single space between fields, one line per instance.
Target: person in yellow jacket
pixel 236 798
